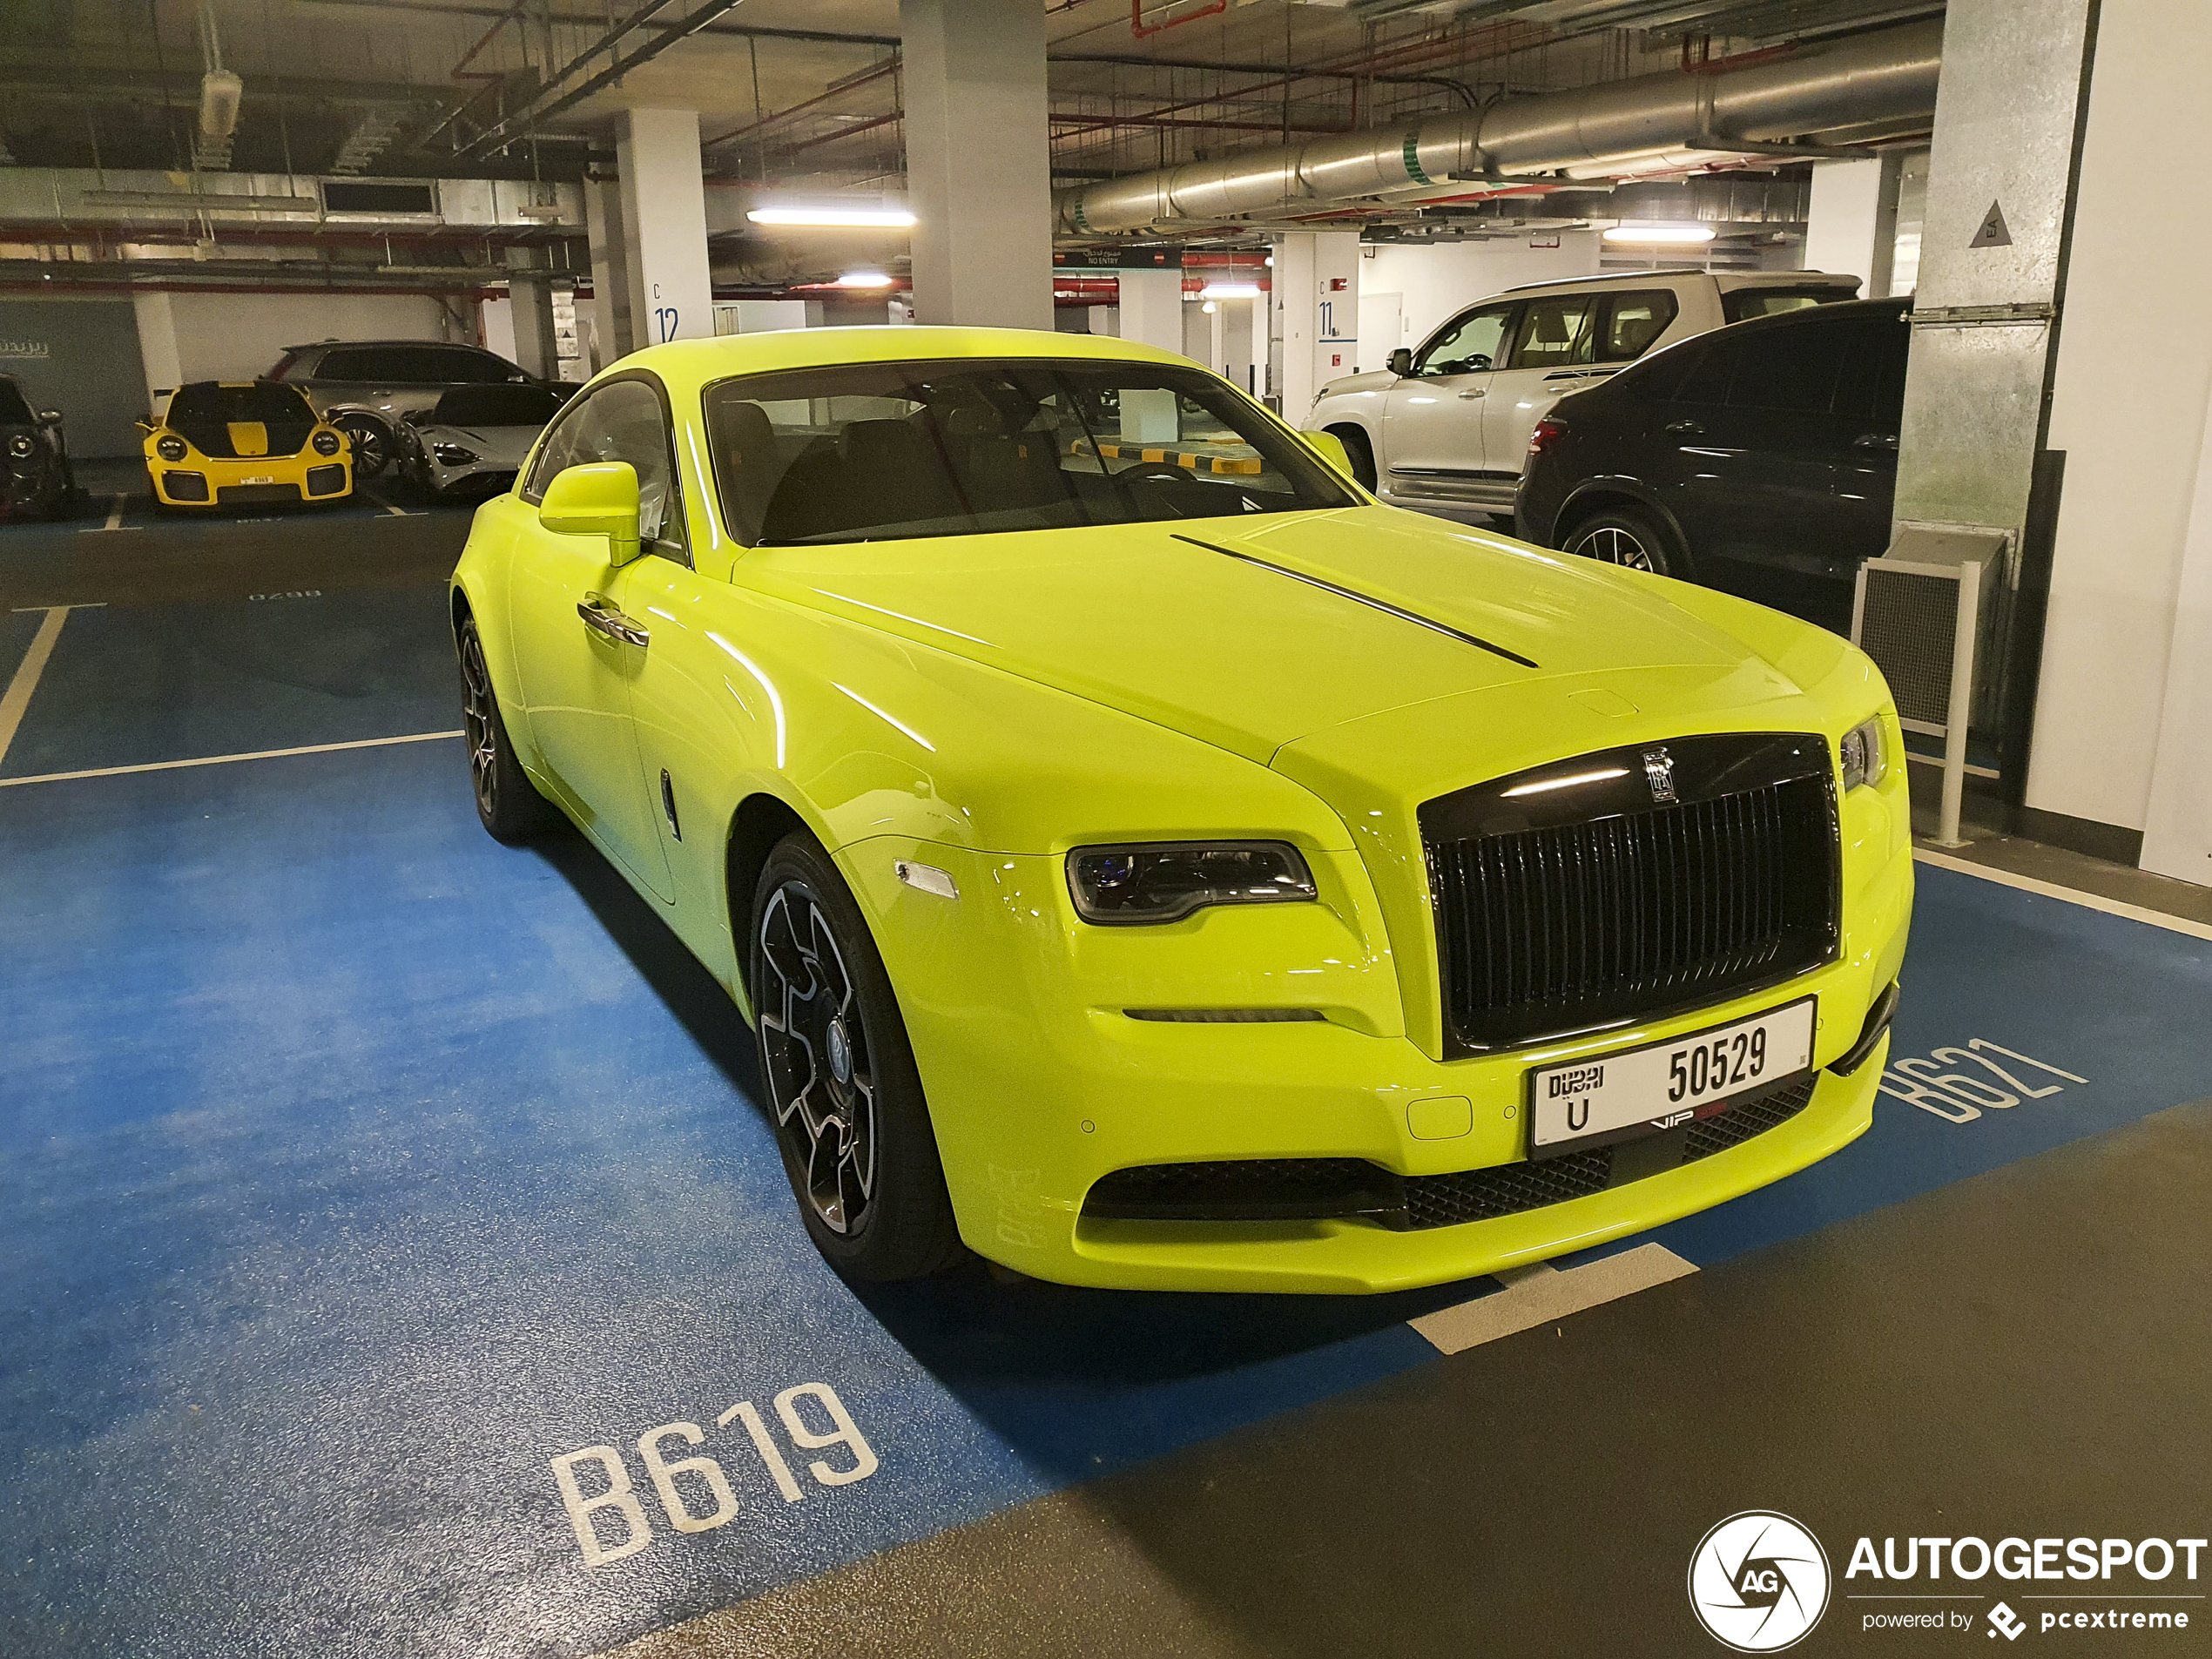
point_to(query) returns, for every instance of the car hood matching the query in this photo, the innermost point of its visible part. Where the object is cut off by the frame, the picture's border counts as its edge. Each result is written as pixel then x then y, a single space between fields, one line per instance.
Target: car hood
pixel 1254 633
pixel 1375 379
pixel 507 443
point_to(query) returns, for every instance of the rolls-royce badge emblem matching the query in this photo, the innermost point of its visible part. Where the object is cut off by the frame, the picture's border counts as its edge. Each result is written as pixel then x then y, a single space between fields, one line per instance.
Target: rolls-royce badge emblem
pixel 1659 772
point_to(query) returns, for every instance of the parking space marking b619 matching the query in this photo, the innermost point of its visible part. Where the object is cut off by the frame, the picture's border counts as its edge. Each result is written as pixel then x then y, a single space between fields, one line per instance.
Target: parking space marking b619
pixel 708 1480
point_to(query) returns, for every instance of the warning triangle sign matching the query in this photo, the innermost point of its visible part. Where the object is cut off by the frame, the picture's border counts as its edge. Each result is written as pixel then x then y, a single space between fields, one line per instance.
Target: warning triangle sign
pixel 1992 232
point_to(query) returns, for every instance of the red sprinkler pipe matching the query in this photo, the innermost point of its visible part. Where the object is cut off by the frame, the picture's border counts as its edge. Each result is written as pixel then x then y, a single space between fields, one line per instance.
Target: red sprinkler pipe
pixel 1141 29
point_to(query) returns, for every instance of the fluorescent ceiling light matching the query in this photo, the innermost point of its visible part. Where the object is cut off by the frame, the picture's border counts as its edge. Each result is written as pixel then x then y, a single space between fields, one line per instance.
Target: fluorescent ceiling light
pixel 863 279
pixel 1229 291
pixel 876 217
pixel 1660 235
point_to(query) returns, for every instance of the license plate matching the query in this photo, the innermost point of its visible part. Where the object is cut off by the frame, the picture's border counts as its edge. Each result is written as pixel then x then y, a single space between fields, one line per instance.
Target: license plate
pixel 259 478
pixel 1613 1096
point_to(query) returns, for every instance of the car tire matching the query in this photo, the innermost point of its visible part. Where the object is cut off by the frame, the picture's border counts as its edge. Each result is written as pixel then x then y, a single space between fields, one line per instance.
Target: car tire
pixel 1625 537
pixel 371 440
pixel 1361 452
pixel 507 803
pixel 850 1117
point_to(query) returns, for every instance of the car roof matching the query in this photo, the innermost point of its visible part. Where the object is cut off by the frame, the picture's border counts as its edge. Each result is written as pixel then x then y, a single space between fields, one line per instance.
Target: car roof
pixel 320 345
pixel 1836 311
pixel 1739 279
pixel 700 362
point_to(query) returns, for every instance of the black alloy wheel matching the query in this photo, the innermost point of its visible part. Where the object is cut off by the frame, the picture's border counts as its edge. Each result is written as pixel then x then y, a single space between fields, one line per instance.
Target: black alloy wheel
pixel 1624 537
pixel 372 443
pixel 506 801
pixel 851 1120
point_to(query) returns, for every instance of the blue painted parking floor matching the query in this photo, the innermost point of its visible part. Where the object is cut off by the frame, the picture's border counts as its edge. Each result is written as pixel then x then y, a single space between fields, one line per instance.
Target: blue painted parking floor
pixel 399 1260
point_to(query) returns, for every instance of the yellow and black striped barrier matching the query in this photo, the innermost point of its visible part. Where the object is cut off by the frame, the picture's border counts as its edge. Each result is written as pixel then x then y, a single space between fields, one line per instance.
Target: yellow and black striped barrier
pixel 1190 460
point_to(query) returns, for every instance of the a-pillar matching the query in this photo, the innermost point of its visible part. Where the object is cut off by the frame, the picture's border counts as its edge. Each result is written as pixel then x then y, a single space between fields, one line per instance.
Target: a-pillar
pixel 978 168
pixel 1317 313
pixel 664 222
pixel 1851 223
pixel 610 324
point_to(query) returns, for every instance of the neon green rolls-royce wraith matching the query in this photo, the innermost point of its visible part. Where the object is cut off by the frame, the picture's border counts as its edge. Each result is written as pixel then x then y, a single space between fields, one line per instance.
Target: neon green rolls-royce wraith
pixel 1148 861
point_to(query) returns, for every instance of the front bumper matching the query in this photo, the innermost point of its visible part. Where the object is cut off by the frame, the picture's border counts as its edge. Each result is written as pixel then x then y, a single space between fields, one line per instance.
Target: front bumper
pixel 1040 1084
pixel 198 482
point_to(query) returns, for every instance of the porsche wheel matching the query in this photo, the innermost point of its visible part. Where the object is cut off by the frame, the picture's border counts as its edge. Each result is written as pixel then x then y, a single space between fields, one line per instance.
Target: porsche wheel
pixel 506 801
pixel 1625 537
pixel 851 1120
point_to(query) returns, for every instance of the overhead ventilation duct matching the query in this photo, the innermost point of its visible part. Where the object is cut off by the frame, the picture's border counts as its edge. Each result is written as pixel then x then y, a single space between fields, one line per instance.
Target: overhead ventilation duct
pixel 1652 124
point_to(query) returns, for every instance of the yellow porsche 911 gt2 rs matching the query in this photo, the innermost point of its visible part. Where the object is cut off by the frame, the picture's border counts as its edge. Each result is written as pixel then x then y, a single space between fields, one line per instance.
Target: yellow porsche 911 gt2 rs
pixel 250 443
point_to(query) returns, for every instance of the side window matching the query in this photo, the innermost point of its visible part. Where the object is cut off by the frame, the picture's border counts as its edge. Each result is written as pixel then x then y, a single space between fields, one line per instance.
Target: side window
pixel 1633 321
pixel 1469 344
pixel 1707 380
pixel 1872 387
pixel 1555 332
pixel 345 365
pixel 1791 370
pixel 462 366
pixel 620 421
pixel 420 364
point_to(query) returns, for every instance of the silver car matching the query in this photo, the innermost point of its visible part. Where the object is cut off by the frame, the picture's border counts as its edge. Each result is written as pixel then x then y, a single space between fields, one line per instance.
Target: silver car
pixel 472 441
pixel 367 387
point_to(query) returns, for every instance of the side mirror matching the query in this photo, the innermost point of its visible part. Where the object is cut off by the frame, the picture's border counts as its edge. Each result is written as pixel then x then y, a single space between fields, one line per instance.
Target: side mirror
pixel 1401 362
pixel 1331 449
pixel 597 500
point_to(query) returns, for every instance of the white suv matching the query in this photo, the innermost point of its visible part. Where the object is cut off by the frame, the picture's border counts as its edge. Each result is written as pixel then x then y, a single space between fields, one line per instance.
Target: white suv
pixel 1447 427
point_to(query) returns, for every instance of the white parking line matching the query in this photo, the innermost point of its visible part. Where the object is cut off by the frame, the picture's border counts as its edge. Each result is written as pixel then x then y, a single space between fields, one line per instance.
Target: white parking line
pixel 114 519
pixel 2070 895
pixel 396 512
pixel 1541 1293
pixel 17 698
pixel 215 760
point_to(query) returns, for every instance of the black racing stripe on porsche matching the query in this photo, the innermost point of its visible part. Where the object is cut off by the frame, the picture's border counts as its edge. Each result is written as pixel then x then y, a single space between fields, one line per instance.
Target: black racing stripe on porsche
pixel 1368 599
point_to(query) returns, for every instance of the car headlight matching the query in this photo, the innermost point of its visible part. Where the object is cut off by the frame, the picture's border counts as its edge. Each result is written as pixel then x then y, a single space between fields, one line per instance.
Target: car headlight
pixel 1864 761
pixel 452 454
pixel 170 446
pixel 326 443
pixel 21 445
pixel 1166 881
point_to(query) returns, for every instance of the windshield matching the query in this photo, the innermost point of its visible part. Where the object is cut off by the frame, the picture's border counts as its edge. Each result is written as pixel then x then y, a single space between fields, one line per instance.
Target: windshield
pixel 877 451
pixel 530 405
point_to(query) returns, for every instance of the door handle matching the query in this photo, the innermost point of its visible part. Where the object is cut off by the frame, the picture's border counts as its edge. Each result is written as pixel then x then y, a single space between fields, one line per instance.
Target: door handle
pixel 1476 393
pixel 604 618
pixel 1687 429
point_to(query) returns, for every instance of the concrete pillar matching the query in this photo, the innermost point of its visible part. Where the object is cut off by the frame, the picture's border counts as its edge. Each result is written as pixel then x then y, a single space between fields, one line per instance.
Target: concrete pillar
pixel 663 214
pixel 537 350
pixel 977 167
pixel 610 269
pixel 1851 226
pixel 1317 311
pixel 1151 307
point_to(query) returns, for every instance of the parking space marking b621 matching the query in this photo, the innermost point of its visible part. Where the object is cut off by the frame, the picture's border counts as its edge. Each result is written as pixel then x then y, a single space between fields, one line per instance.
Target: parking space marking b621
pixel 1941 1083
pixel 708 1483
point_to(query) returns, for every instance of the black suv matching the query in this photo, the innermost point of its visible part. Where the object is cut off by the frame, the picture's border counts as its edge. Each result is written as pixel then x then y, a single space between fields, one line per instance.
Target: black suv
pixel 34 461
pixel 1759 458
pixel 366 387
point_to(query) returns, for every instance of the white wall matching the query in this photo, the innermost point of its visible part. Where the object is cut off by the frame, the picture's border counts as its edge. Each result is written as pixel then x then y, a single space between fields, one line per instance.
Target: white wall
pixel 1849 228
pixel 236 336
pixel 1437 281
pixel 498 316
pixel 2129 409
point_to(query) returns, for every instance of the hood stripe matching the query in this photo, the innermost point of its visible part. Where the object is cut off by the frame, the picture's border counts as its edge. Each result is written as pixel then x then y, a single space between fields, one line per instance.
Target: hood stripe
pixel 1357 597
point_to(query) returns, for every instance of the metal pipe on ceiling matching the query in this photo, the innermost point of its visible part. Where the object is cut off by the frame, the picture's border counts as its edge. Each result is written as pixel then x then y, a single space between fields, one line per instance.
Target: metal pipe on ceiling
pixel 1650 123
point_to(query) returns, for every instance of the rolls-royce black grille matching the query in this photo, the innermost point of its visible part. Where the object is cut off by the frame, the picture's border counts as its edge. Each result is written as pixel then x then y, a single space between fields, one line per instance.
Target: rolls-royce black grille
pixel 1634 910
pixel 1312 1189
